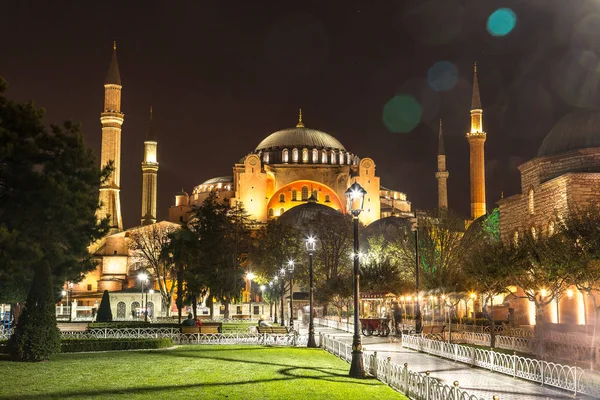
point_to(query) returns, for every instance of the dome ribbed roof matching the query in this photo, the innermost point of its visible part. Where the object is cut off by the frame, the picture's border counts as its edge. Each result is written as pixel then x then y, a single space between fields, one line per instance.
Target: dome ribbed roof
pixel 298 215
pixel 218 179
pixel 578 130
pixel 300 137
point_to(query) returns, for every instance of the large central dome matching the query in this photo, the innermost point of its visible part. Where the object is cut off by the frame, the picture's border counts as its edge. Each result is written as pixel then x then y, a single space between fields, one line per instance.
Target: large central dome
pixel 577 130
pixel 300 137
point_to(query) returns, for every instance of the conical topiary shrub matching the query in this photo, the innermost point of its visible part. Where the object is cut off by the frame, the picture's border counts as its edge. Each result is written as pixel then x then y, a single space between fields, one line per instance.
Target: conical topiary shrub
pixel 36 336
pixel 104 312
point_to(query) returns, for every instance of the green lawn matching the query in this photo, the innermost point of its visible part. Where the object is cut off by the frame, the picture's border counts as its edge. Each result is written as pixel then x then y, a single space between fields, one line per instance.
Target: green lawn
pixel 191 372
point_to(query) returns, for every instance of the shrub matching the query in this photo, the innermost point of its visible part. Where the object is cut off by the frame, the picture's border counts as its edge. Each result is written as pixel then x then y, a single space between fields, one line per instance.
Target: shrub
pixel 36 335
pixel 104 312
pixel 131 324
pixel 81 345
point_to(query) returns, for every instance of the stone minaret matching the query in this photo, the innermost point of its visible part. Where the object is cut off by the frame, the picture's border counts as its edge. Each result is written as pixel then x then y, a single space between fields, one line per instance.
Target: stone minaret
pixel 149 176
pixel 442 174
pixel 476 138
pixel 111 119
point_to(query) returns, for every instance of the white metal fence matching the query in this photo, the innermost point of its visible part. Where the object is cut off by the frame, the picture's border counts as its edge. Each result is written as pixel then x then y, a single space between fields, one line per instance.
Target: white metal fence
pixel 571 378
pixel 415 385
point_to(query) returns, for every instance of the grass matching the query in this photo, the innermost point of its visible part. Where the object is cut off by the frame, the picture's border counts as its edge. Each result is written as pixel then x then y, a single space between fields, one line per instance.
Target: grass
pixel 186 372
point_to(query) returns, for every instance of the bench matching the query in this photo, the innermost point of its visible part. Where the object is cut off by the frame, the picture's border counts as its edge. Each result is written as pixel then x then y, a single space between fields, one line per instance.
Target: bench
pixel 433 331
pixel 241 316
pixel 214 329
pixel 275 333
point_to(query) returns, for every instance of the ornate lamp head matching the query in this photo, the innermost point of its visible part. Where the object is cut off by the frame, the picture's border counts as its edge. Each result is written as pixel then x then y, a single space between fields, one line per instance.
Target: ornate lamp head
pixel 311 244
pixel 356 199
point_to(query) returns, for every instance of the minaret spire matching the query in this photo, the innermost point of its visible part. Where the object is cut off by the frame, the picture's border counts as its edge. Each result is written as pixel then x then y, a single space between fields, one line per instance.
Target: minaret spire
pixel 150 175
pixel 111 120
pixel 442 174
pixel 300 124
pixel 476 137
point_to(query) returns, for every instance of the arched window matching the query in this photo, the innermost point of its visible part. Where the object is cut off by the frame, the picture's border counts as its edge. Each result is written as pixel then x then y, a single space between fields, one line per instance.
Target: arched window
pixel 271 212
pixel 348 158
pixel 327 199
pixel 282 198
pixel 551 228
pixel 266 158
pixel 323 157
pixel 533 232
pixel 333 157
pixel 304 193
pixel 135 309
pixel 281 211
pixel 285 155
pixel 516 238
pixel 295 155
pixel 315 194
pixel 121 310
pixel 294 195
pixel 304 155
pixel 315 157
pixel 531 204
pixel 342 158
pixel 150 308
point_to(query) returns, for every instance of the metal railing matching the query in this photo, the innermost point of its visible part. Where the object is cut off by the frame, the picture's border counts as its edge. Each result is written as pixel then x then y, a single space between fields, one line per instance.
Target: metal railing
pixel 570 378
pixel 335 324
pixel 415 385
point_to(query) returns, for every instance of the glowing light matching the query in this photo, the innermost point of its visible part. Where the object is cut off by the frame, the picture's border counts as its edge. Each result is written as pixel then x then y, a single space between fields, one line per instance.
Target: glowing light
pixel 64 292
pixel 402 113
pixel 442 76
pixel 143 277
pixel 472 295
pixel 501 22
pixel 543 292
pixel 262 288
pixel 250 276
pixel 408 298
pixel 531 312
pixel 570 293
pixel 443 297
pixel 151 291
pixel 402 298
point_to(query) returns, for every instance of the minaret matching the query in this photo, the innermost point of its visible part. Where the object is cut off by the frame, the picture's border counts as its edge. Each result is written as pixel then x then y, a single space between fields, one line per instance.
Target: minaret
pixel 476 138
pixel 111 119
pixel 149 176
pixel 442 174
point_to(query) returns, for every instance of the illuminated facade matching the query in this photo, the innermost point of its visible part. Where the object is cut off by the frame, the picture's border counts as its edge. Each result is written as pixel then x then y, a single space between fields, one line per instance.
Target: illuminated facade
pixel 564 175
pixel 289 166
pixel 149 176
pixel 442 173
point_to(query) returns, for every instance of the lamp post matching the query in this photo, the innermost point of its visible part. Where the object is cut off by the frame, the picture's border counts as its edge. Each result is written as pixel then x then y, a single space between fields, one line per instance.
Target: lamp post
pixel 291 265
pixel 282 274
pixel 356 199
pixel 70 303
pixel 418 319
pixel 143 277
pixel 273 284
pixel 311 245
pixel 64 293
pixel 250 276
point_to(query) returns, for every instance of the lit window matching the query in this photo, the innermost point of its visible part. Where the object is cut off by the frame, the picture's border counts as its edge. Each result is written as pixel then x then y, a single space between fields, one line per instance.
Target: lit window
pixel 285 155
pixel 304 193
pixel 327 198
pixel 341 158
pixel 295 155
pixel 294 195
pixel 348 158
pixel 281 211
pixel 266 158
pixel 271 212
pixel 551 228
pixel 533 232
pixel 315 195
pixel 531 209
pixel 323 157
pixel 304 155
pixel 333 157
pixel 282 198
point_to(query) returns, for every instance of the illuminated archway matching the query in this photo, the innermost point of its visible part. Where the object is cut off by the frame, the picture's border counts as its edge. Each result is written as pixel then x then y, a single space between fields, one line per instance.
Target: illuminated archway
pixel 324 194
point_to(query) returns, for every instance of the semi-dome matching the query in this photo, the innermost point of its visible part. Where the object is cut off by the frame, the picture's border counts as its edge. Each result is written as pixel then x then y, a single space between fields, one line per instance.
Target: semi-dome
pixel 300 137
pixel 578 130
pixel 301 214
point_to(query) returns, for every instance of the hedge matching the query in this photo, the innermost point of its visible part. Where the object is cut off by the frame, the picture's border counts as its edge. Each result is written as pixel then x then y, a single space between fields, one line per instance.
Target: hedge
pixel 81 345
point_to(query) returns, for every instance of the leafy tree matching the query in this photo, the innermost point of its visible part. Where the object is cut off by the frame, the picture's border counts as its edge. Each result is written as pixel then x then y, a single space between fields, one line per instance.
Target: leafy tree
pixel 147 244
pixel 104 311
pixel 381 270
pixel 36 336
pixel 48 198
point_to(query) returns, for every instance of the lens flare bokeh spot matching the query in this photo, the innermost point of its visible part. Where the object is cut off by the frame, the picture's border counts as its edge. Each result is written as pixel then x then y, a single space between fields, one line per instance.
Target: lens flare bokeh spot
pixel 402 113
pixel 501 22
pixel 442 76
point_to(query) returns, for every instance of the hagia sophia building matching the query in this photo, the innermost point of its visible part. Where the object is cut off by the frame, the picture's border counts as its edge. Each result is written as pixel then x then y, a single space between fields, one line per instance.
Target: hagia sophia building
pixel 292 166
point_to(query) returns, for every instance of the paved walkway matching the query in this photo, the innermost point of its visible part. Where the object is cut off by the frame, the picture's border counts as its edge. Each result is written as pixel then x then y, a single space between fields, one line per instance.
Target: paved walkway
pixel 477 381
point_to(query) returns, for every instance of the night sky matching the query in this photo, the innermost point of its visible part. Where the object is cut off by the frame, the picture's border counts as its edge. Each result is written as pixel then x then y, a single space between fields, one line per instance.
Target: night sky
pixel 222 75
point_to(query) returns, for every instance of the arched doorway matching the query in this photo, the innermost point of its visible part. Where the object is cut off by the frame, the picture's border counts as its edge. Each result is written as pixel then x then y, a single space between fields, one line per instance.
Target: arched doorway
pixel 121 310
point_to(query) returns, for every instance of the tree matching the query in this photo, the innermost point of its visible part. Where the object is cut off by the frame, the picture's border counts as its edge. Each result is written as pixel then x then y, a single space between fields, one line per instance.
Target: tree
pixel 147 244
pixel 104 312
pixel 381 270
pixel 489 266
pixel 48 198
pixel 36 336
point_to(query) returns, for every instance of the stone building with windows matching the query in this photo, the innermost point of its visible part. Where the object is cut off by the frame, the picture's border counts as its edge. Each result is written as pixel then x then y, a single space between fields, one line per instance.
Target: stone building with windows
pixel 289 167
pixel 564 175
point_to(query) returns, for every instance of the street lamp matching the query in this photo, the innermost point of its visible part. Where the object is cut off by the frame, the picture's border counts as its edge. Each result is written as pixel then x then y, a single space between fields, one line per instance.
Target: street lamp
pixel 250 275
pixel 311 246
pixel 282 274
pixel 151 291
pixel 290 266
pixel 143 277
pixel 273 284
pixel 70 304
pixel 356 200
pixel 418 319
